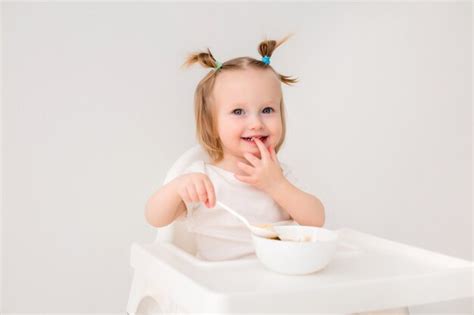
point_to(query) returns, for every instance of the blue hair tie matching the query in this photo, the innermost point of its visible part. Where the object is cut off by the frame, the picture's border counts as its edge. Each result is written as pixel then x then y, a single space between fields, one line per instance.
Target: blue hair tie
pixel 266 60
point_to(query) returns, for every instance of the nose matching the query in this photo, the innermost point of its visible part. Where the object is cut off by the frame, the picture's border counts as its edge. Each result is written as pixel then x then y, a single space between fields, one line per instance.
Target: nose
pixel 255 122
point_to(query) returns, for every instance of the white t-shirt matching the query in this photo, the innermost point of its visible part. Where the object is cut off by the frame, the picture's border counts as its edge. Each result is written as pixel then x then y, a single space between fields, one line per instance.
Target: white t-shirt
pixel 218 234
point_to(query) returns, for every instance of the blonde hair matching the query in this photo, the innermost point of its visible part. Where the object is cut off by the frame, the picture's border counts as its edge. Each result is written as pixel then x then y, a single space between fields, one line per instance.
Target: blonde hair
pixel 206 129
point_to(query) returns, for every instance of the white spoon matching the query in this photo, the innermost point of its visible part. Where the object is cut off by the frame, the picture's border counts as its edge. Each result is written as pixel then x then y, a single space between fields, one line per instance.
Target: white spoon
pixel 268 232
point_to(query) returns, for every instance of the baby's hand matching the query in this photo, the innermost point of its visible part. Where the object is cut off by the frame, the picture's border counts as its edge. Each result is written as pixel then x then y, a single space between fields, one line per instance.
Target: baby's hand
pixel 196 187
pixel 266 172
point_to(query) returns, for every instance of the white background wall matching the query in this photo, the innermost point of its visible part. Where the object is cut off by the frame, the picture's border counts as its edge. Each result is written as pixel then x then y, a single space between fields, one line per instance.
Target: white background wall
pixel 95 109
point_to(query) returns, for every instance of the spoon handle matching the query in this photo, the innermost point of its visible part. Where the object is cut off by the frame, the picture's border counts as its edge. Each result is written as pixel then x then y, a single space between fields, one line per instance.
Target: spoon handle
pixel 241 218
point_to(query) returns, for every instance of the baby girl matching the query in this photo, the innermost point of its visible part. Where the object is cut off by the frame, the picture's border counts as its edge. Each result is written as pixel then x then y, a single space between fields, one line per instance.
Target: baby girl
pixel 240 124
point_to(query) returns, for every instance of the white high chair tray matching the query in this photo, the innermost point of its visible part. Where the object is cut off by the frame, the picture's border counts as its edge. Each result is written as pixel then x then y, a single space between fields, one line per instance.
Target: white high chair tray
pixel 367 273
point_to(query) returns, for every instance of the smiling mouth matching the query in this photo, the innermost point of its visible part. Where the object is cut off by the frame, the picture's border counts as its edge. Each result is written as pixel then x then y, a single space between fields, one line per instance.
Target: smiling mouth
pixel 250 139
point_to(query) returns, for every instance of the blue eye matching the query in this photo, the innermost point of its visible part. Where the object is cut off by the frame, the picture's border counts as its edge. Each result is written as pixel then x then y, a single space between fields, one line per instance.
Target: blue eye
pixel 268 110
pixel 238 111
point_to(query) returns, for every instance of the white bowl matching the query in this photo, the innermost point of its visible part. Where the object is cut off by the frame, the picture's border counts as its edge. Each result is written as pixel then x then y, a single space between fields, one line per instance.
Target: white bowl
pixel 297 257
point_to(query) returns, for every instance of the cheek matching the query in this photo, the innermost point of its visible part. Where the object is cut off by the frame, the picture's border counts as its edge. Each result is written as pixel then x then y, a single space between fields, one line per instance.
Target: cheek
pixel 275 125
pixel 229 130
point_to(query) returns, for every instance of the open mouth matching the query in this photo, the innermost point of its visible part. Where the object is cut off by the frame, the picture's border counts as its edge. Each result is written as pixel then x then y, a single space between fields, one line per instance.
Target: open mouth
pixel 250 139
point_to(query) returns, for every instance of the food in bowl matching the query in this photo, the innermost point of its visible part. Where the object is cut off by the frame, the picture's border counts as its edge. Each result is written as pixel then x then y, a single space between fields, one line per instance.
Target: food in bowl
pixel 290 255
pixel 302 233
pixel 271 225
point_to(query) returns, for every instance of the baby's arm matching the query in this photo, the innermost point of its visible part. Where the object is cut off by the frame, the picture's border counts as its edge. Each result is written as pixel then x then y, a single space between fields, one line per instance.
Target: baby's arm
pixel 303 207
pixel 267 175
pixel 165 205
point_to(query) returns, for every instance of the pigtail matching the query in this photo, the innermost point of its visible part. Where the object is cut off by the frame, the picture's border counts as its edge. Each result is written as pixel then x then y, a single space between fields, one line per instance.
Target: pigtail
pixel 266 48
pixel 206 131
pixel 206 59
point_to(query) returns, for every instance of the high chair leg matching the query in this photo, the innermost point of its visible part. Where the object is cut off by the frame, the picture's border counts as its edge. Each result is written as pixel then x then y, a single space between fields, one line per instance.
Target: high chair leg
pixel 149 306
pixel 144 299
pixel 137 292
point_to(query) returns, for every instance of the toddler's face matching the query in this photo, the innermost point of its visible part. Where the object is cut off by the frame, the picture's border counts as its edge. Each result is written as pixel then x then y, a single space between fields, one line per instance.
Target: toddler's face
pixel 247 105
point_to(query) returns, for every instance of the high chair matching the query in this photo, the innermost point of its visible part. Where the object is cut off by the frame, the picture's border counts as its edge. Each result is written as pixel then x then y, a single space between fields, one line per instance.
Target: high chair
pixel 367 274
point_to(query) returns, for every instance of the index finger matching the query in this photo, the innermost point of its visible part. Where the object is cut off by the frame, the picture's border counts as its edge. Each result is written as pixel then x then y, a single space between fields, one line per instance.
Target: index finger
pixel 211 196
pixel 263 150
